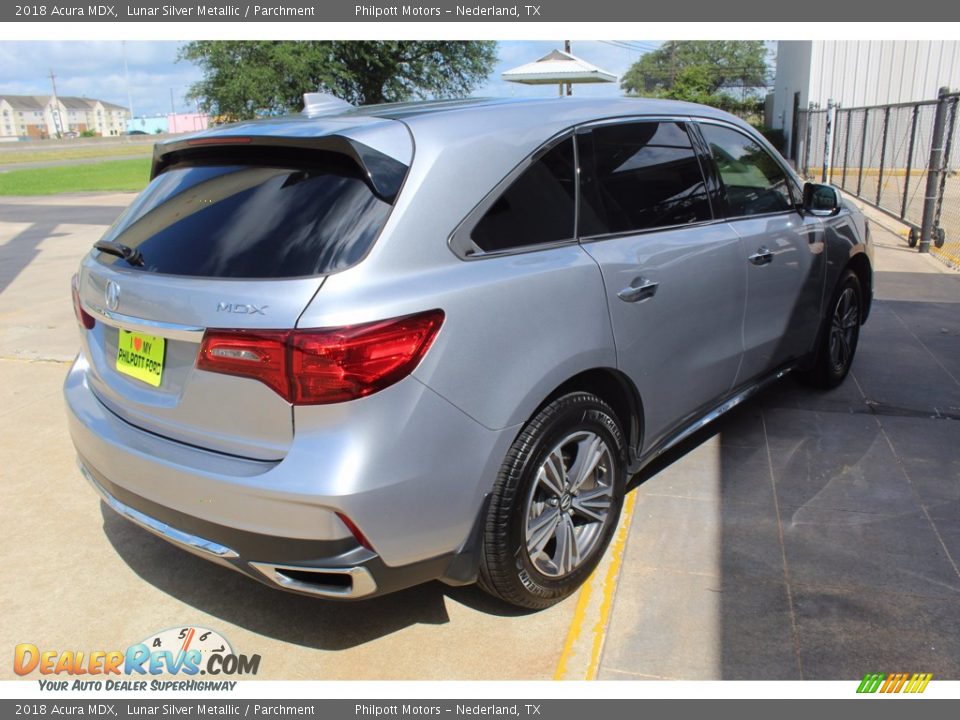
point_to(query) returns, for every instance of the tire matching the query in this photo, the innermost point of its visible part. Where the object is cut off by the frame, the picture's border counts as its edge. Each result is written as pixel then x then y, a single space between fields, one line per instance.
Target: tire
pixel 839 335
pixel 560 487
pixel 939 237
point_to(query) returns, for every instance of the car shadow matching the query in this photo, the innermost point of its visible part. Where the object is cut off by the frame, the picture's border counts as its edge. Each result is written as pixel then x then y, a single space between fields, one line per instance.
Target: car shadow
pixel 24 247
pixel 298 619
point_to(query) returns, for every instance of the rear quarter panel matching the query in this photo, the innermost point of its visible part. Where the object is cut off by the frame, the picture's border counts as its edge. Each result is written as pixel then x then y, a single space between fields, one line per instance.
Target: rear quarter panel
pixel 517 326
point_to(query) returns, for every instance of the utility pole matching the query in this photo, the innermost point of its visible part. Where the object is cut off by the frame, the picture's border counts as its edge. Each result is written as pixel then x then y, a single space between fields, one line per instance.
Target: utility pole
pixel 673 63
pixel 566 49
pixel 57 121
pixel 126 78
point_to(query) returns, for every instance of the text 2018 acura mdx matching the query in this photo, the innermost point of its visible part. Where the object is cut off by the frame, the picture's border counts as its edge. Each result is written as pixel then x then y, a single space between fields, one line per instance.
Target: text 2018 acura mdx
pixel 361 348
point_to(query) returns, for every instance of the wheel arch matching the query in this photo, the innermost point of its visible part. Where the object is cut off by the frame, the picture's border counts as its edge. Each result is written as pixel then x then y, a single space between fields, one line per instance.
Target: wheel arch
pixel 618 391
pixel 610 385
pixel 860 265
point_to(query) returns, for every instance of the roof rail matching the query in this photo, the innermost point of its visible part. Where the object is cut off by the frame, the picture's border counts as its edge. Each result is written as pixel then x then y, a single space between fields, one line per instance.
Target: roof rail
pixel 316 104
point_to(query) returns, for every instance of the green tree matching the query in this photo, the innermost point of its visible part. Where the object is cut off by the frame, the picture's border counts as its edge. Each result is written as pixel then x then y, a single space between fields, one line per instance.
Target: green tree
pixel 693 84
pixel 701 67
pixel 246 78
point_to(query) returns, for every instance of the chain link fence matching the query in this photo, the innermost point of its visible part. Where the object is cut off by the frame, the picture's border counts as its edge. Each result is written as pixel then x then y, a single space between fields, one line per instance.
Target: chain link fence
pixel 902 159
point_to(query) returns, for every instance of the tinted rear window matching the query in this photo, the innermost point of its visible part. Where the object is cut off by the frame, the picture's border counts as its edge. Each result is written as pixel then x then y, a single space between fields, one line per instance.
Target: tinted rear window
pixel 252 220
pixel 537 208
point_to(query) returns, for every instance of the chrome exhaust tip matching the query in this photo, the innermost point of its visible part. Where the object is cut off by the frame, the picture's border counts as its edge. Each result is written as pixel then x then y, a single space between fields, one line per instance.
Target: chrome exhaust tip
pixel 341 583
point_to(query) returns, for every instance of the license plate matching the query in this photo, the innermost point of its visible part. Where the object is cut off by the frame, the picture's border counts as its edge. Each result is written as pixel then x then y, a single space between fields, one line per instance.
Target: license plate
pixel 141 356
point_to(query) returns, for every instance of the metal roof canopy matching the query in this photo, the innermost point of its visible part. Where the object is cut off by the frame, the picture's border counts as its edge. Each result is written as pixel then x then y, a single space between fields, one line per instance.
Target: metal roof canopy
pixel 558 68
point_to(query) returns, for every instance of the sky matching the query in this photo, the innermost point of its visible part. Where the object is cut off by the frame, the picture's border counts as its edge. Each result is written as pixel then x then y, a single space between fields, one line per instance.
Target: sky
pixel 96 69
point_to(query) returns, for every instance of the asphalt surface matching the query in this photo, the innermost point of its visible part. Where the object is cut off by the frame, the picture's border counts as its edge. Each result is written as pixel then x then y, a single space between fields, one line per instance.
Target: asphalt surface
pixel 805 535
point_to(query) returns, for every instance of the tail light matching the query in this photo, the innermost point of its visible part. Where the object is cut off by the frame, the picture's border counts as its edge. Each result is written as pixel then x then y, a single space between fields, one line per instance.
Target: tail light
pixel 316 367
pixel 85 319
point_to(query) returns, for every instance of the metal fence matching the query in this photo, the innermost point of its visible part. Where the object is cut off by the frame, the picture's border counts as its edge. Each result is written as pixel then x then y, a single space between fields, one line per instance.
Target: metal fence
pixel 902 159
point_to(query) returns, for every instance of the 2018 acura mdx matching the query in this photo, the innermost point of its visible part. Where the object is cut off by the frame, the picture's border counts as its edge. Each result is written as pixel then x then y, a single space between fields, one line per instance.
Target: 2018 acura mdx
pixel 361 348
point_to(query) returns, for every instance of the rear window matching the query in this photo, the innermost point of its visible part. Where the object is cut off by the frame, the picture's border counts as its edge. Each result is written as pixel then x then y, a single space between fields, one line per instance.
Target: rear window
pixel 538 208
pixel 265 218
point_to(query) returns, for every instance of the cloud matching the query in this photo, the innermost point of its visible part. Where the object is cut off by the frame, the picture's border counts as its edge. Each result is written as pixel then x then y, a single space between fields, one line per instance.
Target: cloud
pixel 95 69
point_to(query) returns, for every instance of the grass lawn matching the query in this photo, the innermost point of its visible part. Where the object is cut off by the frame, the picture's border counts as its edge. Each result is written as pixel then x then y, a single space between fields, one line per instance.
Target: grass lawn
pixel 111 175
pixel 12 157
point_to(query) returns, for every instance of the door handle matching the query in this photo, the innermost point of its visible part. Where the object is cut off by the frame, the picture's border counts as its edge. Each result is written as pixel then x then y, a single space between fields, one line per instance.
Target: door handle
pixel 639 290
pixel 762 256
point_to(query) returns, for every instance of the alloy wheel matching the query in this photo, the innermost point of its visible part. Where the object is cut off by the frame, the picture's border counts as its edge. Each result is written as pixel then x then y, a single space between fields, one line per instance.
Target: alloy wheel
pixel 843 329
pixel 569 503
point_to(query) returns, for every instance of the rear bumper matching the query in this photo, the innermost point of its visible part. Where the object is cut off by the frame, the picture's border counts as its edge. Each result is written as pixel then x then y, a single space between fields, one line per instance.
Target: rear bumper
pixel 334 569
pixel 277 521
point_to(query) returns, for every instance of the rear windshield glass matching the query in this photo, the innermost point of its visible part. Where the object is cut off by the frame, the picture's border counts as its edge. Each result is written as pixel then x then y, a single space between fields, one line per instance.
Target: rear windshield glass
pixel 252 220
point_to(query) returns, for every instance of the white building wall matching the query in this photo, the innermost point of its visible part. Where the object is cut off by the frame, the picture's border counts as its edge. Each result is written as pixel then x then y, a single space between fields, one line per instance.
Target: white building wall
pixel 8 120
pixel 856 73
pixel 793 75
pixel 55 117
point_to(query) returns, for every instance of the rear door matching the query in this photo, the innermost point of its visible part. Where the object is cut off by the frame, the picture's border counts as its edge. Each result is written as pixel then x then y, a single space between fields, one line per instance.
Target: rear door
pixel 238 240
pixel 782 250
pixel 674 279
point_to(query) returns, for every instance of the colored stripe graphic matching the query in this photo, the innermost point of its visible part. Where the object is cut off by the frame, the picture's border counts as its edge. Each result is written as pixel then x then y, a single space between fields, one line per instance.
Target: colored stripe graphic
pixel 918 683
pixel 870 683
pixel 894 682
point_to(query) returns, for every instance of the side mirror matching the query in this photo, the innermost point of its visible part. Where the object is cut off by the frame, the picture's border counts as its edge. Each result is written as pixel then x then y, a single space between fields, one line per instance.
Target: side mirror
pixel 821 200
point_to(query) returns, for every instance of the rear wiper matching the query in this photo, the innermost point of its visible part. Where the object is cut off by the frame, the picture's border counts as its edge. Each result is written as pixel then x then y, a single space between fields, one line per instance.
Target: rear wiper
pixel 133 257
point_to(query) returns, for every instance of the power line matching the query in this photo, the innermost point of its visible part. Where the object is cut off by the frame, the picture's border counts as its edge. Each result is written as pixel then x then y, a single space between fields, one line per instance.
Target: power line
pixel 626 46
pixel 631 45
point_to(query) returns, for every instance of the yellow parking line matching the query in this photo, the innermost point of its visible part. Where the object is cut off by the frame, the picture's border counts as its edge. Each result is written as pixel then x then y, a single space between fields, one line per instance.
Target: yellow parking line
pixel 610 586
pixel 580 659
pixel 574 633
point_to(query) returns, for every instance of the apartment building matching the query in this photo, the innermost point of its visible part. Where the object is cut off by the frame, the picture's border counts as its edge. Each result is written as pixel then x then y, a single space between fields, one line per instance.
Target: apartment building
pixel 45 116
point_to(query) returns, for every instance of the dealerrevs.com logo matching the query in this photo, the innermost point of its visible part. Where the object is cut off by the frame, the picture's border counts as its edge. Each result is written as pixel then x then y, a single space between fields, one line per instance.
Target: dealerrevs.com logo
pixel 185 651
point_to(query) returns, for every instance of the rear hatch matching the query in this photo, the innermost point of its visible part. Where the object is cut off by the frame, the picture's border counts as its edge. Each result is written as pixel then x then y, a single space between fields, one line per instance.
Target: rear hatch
pixel 233 232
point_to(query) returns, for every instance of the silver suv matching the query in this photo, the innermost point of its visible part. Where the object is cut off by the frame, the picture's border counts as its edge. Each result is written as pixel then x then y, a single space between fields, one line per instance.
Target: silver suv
pixel 361 348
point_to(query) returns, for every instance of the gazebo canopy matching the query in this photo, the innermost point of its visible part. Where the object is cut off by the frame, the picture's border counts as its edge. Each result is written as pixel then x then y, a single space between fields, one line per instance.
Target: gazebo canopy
pixel 558 67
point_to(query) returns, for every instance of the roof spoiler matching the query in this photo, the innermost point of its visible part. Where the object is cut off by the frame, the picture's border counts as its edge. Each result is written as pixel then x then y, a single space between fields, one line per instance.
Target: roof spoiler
pixel 384 174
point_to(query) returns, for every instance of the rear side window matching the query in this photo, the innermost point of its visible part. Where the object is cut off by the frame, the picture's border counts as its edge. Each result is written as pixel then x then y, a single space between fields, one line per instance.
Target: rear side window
pixel 639 176
pixel 537 208
pixel 265 219
pixel 753 182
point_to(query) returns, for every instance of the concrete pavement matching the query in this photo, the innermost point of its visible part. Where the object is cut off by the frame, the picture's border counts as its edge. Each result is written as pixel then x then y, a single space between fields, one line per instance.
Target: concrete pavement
pixel 806 534
pixel 78 576
pixel 812 535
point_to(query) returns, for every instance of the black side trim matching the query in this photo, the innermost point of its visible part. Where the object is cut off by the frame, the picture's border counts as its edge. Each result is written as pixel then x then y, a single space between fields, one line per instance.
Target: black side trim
pixel 704 416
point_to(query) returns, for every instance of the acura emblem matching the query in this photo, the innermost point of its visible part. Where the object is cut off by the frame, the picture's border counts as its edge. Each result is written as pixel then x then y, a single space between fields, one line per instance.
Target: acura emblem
pixel 111 294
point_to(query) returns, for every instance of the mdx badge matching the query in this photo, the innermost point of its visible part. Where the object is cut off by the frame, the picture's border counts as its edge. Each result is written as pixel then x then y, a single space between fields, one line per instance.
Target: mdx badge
pixel 242 309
